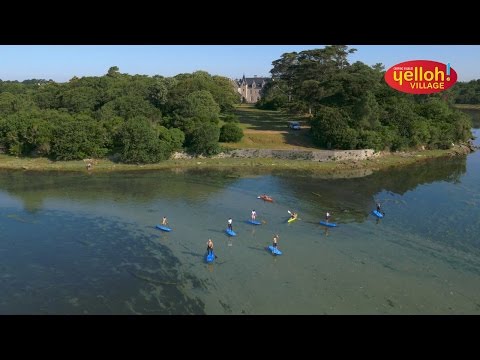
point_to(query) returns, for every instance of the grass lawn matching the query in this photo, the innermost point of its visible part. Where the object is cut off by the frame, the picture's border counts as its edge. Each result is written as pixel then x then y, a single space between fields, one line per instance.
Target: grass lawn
pixel 265 129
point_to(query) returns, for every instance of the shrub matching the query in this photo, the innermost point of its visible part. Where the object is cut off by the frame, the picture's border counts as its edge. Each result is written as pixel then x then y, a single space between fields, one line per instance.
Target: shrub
pixel 230 118
pixel 231 132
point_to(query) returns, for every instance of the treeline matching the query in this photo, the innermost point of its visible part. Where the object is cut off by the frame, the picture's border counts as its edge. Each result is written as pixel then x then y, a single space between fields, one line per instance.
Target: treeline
pixel 465 92
pixel 133 118
pixel 351 106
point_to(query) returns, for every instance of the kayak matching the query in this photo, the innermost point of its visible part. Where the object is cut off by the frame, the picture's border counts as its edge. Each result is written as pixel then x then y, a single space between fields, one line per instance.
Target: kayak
pixel 292 219
pixel 377 214
pixel 163 227
pixel 324 223
pixel 230 232
pixel 209 257
pixel 254 222
pixel 265 198
pixel 273 250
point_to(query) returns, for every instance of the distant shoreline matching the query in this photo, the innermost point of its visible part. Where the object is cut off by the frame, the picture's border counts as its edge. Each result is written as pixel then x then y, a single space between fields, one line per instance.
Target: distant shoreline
pixel 467 106
pixel 268 164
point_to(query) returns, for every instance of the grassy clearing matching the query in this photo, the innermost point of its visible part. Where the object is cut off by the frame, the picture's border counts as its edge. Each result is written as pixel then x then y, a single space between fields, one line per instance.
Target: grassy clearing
pixel 264 129
pixel 252 118
pixel 275 140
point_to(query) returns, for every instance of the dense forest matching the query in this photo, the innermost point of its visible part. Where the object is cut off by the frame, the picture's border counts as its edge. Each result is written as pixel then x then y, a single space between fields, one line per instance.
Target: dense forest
pixel 465 92
pixel 131 118
pixel 352 107
pixel 144 119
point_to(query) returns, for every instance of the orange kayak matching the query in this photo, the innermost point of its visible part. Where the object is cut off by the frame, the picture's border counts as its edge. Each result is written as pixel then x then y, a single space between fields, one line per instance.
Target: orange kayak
pixel 265 198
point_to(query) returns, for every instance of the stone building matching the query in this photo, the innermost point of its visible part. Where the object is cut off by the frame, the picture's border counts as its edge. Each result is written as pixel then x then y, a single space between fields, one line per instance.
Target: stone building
pixel 249 88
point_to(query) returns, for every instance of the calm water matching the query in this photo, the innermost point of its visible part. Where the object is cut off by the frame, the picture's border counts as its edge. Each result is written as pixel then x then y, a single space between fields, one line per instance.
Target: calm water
pixel 86 244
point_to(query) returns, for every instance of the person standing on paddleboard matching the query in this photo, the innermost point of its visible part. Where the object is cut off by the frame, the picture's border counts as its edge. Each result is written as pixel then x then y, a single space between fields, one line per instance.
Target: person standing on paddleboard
pixel 164 221
pixel 229 224
pixel 327 216
pixel 254 215
pixel 275 240
pixel 209 246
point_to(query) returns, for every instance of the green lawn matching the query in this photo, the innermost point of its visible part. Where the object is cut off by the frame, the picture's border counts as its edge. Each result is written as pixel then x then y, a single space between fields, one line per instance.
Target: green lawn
pixel 265 129
pixel 255 119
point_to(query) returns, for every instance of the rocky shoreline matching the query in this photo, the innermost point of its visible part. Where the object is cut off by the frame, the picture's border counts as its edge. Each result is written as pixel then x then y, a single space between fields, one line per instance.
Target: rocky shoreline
pixel 317 155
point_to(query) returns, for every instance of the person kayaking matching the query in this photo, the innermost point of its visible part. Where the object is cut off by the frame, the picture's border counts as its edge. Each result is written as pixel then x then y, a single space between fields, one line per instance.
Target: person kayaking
pixel 229 224
pixel 209 246
pixel 293 215
pixel 254 215
pixel 164 221
pixel 265 197
pixel 327 216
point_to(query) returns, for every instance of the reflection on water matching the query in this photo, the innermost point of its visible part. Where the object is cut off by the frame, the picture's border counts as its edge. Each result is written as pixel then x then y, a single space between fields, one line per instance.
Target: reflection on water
pixel 86 244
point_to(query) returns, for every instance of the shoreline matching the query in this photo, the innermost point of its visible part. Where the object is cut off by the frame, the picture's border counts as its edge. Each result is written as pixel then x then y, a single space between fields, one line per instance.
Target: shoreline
pixel 360 167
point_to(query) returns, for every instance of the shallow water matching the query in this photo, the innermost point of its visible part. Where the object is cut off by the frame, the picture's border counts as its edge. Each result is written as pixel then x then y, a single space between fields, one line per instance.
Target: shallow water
pixel 86 244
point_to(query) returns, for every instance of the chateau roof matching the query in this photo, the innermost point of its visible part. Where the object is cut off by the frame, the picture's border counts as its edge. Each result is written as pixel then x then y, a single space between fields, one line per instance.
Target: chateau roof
pixel 257 80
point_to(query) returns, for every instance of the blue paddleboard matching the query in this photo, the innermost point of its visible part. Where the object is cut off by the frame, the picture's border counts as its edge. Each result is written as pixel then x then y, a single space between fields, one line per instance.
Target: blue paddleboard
pixel 377 214
pixel 164 228
pixel 254 222
pixel 324 223
pixel 274 251
pixel 209 257
pixel 230 232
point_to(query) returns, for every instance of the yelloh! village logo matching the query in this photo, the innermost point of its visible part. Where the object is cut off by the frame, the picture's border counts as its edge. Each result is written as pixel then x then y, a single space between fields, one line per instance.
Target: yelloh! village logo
pixel 421 77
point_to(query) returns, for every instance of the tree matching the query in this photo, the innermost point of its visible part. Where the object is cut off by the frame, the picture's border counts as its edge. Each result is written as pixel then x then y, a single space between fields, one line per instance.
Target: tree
pixel 173 137
pixel 140 142
pixel 11 103
pixel 231 132
pixel 203 139
pixel 48 96
pixel 113 71
pixel 78 138
pixel 312 76
pixel 330 129
pixel 80 99
pixel 222 90
pixel 199 105
pixel 274 96
pixel 128 107
pixel 367 112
